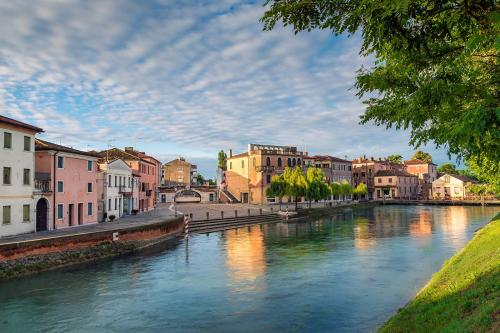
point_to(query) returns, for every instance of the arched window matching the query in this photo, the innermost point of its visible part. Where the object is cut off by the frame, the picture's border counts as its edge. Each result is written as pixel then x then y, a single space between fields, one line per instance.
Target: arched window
pixel 243 163
pixel 268 161
pixel 298 162
pixel 279 161
pixel 289 163
pixel 294 162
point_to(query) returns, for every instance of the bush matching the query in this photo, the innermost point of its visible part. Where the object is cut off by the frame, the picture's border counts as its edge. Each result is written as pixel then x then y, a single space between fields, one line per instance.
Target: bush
pixel 112 217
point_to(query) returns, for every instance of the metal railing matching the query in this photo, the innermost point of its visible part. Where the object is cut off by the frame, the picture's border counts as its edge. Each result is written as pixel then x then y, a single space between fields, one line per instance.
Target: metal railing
pixel 264 168
pixel 42 186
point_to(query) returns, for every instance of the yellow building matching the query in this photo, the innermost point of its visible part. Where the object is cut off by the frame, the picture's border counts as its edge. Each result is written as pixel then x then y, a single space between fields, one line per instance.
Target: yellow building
pixel 249 174
pixel 179 172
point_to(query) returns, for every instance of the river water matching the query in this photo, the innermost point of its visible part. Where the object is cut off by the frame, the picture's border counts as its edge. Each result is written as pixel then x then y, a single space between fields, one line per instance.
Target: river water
pixel 344 273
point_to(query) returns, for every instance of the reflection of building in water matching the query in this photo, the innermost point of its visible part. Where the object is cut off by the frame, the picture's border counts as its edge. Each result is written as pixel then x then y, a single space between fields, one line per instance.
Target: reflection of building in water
pixel 245 255
pixel 363 238
pixel 423 226
pixel 454 224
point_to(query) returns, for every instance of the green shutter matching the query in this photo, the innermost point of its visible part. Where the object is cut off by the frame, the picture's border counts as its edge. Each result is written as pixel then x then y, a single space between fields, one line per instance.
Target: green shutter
pixel 26 213
pixel 7 140
pixel 6 215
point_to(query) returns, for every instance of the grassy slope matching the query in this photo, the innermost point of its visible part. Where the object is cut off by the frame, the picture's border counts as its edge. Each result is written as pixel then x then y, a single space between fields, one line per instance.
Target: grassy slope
pixel 464 296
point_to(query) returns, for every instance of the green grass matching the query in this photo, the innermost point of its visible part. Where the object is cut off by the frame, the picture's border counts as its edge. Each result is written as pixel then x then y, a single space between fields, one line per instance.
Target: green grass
pixel 464 296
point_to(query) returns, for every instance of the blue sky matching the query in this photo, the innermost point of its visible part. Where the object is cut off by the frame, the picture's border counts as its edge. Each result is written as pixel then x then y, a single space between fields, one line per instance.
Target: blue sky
pixel 182 78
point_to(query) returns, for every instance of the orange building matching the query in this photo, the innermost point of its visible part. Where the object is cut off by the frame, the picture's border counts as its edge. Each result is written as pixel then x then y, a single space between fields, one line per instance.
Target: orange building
pixel 364 170
pixel 249 174
pixel 426 173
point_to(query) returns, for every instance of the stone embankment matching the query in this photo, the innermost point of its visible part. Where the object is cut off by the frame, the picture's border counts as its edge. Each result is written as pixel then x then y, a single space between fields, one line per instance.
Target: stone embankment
pixel 29 254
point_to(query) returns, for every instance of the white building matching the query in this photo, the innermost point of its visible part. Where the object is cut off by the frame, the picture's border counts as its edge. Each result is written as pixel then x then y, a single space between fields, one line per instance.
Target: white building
pixel 118 188
pixel 17 164
pixel 451 187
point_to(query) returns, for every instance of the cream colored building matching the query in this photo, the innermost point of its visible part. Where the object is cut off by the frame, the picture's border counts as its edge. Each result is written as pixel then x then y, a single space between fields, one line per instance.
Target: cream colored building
pixel 17 164
pixel 395 184
pixel 453 187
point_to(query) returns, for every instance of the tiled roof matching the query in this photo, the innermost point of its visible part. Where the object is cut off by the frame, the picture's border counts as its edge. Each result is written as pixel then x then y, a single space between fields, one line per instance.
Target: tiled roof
pixel 238 155
pixel 13 122
pixel 383 173
pixel 463 178
pixel 115 153
pixel 417 162
pixel 328 158
pixel 42 145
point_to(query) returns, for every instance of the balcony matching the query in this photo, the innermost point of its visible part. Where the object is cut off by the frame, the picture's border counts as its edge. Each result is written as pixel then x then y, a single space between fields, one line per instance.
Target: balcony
pixel 42 183
pixel 264 168
pixel 124 189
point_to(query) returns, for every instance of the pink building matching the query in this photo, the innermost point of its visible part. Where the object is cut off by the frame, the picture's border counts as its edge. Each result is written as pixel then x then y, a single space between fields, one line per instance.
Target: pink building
pixel 69 197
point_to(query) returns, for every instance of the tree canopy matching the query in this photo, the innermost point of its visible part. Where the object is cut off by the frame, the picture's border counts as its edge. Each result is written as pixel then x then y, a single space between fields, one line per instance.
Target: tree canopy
pixel 447 168
pixel 423 156
pixel 436 69
pixel 396 158
pixel 222 160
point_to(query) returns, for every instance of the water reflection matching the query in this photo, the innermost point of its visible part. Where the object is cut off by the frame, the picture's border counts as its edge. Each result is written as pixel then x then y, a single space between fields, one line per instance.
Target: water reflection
pixel 364 238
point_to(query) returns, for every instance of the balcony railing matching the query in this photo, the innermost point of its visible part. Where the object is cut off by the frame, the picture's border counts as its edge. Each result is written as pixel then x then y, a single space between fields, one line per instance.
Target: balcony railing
pixel 264 168
pixel 124 189
pixel 42 186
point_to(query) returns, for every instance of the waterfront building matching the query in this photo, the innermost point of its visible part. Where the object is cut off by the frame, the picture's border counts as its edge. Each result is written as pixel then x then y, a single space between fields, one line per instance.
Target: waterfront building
pixel 452 187
pixel 364 170
pixel 143 165
pixel 249 174
pixel 395 184
pixel 426 173
pixel 17 164
pixel 336 170
pixel 72 196
pixel 179 172
pixel 195 194
pixel 117 188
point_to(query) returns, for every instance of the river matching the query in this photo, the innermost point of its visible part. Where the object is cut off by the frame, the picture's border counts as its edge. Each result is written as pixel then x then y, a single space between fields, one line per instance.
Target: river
pixel 345 273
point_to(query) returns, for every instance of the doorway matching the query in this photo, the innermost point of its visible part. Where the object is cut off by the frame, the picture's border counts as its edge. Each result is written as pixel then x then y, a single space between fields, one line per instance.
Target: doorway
pixel 70 214
pixel 80 213
pixel 41 215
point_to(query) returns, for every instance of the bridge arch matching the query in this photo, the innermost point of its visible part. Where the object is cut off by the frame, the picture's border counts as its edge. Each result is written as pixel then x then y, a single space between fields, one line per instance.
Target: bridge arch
pixel 187 195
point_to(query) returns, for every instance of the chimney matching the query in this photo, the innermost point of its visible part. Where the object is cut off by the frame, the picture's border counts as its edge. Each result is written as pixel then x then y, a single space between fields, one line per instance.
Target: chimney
pixel 230 153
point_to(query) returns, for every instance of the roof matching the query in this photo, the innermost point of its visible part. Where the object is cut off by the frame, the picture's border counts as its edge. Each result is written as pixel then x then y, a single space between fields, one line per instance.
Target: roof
pixel 384 173
pixel 115 153
pixel 42 145
pixel 417 162
pixel 463 178
pixel 178 160
pixel 238 155
pixel 328 158
pixel 13 122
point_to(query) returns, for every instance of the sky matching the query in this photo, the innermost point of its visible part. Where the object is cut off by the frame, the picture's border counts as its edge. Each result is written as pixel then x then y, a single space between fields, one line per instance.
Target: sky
pixel 183 78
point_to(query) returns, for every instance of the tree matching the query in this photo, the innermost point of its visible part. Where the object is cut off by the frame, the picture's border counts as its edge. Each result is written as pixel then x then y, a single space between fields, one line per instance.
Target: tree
pixel 200 180
pixel 277 188
pixel 423 156
pixel 345 188
pixel 486 171
pixel 316 188
pixel 360 190
pixel 481 190
pixel 296 183
pixel 335 189
pixel 211 182
pixel 396 158
pixel 222 160
pixel 436 69
pixel 447 168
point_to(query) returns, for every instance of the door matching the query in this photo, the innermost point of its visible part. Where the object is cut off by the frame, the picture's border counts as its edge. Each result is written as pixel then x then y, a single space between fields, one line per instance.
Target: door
pixel 41 215
pixel 163 198
pixel 70 214
pixel 80 213
pixel 244 198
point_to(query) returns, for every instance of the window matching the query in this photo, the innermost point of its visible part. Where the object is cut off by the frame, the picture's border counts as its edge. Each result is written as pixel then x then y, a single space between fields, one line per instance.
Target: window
pixel 116 181
pixel 230 165
pixel 6 215
pixel 89 187
pixel 60 186
pixel 60 162
pixel 268 161
pixel 6 175
pixel 89 208
pixel 116 203
pixel 109 180
pixel 26 213
pixel 294 162
pixel 268 179
pixel 60 208
pixel 242 164
pixel 279 161
pixel 27 143
pixel 289 162
pixel 26 176
pixel 390 180
pixel 89 165
pixel 7 140
pixel 298 162
pixel 109 204
pixel 380 180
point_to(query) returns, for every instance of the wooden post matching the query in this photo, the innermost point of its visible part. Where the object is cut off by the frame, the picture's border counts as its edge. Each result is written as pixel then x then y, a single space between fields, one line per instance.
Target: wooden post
pixel 248 211
pixel 222 214
pixel 260 211
pixel 235 213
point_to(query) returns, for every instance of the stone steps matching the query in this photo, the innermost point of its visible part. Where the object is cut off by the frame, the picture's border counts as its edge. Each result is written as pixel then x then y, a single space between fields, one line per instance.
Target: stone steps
pixel 231 223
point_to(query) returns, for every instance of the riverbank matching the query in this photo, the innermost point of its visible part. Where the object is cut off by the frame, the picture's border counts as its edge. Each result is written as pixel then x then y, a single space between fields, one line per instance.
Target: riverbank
pixel 464 296
pixel 34 253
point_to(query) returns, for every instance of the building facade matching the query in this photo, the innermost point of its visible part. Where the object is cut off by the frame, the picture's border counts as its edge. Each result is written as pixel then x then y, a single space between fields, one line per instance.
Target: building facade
pixel 73 194
pixel 426 173
pixel 451 187
pixel 17 164
pixel 118 187
pixel 249 174
pixel 336 170
pixel 364 170
pixel 179 172
pixel 395 184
